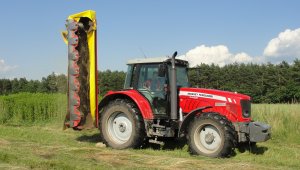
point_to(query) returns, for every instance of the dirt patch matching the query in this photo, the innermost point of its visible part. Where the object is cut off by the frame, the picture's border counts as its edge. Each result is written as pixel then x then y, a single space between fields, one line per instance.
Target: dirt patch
pixel 8 166
pixel 100 145
pixel 4 142
pixel 115 160
pixel 47 155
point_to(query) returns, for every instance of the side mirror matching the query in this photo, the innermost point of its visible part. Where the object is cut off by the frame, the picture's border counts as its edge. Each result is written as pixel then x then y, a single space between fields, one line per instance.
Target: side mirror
pixel 162 70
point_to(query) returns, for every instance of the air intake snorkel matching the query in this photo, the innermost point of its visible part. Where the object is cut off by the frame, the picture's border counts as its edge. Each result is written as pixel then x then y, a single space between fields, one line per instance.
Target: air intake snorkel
pixel 173 89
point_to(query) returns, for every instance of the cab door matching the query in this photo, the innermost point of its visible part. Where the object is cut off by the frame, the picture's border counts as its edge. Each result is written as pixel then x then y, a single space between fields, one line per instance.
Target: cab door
pixel 153 87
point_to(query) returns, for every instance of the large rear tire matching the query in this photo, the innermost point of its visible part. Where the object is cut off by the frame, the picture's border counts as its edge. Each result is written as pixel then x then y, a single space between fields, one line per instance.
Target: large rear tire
pixel 211 135
pixel 121 125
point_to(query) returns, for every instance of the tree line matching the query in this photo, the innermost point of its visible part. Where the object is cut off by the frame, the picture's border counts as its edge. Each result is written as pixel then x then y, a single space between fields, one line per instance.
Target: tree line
pixel 51 84
pixel 107 80
pixel 265 83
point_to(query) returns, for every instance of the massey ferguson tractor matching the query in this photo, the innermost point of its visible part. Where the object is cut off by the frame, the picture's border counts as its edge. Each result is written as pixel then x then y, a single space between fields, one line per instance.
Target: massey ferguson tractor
pixel 156 103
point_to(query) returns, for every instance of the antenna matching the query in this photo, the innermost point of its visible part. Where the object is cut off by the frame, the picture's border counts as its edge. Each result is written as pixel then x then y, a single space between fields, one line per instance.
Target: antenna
pixel 142 51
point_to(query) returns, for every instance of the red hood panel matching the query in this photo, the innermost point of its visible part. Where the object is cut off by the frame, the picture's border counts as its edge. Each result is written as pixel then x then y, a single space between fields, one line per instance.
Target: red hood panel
pixel 212 94
pixel 223 102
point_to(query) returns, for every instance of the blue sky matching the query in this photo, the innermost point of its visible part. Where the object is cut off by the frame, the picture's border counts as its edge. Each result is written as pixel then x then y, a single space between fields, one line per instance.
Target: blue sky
pixel 218 32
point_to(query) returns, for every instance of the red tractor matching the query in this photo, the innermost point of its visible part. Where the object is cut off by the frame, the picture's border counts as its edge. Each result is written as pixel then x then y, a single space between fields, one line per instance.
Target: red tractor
pixel 157 102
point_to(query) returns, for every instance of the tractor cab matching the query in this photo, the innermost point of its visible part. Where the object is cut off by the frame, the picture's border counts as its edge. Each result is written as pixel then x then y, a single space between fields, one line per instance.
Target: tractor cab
pixel 151 77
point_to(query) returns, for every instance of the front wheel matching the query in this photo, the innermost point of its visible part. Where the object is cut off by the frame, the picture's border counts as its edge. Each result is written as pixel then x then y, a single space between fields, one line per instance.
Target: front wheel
pixel 211 135
pixel 121 125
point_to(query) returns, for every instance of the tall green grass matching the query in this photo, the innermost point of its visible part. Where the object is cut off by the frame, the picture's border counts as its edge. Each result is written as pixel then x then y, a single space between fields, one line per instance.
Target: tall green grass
pixel 283 118
pixel 48 147
pixel 27 108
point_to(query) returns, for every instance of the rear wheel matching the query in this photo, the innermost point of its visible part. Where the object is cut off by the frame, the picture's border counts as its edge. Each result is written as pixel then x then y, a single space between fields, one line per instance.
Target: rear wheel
pixel 211 135
pixel 121 125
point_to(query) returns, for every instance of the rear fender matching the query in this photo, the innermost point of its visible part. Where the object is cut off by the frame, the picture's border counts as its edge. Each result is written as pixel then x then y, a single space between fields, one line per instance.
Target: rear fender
pixel 132 95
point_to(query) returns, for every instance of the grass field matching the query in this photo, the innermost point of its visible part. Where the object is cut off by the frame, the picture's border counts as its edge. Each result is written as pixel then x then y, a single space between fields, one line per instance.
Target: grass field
pixel 42 144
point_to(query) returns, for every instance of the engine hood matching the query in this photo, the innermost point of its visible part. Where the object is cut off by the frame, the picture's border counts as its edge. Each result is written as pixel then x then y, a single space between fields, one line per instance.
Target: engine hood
pixel 225 96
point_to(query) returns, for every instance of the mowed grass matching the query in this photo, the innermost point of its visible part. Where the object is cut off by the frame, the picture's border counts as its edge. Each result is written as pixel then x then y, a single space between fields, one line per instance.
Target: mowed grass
pixel 44 145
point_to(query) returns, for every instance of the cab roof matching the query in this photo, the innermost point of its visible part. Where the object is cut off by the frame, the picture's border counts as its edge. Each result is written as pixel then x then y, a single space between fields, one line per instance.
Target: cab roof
pixel 153 60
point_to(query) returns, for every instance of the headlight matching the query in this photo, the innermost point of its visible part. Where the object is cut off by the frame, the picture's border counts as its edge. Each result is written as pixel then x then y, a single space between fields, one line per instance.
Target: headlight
pixel 246 108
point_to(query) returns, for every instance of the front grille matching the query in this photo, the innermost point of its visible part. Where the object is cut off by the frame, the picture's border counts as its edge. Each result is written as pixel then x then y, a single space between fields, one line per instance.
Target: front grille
pixel 246 108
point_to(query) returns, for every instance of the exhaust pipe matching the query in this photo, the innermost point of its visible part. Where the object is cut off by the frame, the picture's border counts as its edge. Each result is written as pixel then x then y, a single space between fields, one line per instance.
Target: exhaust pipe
pixel 173 89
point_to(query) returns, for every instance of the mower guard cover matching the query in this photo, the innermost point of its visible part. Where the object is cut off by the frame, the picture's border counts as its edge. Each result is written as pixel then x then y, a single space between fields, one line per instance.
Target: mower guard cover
pixel 82 70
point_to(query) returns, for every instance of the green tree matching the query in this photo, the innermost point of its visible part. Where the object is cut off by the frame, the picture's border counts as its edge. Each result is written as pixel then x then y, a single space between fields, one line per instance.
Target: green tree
pixel 5 86
pixel 108 80
pixel 62 83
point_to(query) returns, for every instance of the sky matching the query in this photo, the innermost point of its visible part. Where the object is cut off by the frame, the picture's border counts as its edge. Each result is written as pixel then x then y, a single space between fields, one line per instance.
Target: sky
pixel 220 32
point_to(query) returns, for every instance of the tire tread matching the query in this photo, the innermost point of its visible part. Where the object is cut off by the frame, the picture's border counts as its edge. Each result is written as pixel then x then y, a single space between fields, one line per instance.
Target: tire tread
pixel 138 130
pixel 230 135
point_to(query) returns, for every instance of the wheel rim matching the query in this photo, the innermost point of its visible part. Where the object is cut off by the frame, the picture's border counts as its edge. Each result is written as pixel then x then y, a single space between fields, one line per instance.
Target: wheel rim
pixel 119 127
pixel 208 139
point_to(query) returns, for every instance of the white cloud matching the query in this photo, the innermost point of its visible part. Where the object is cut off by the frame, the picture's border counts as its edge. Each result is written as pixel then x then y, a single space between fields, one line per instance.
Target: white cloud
pixel 4 67
pixel 286 44
pixel 242 58
pixel 219 55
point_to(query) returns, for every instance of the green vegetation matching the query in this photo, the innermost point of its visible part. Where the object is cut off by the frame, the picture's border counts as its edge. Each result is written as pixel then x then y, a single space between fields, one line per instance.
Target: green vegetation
pixel 107 80
pixel 110 80
pixel 266 83
pixel 51 84
pixel 284 119
pixel 31 140
pixel 26 108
